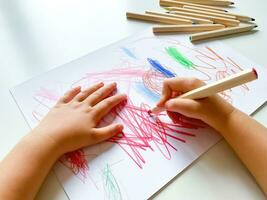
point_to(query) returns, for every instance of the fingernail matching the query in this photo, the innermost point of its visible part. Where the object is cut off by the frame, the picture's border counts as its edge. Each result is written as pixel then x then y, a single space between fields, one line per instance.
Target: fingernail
pixel 119 127
pixel 77 88
pixel 101 83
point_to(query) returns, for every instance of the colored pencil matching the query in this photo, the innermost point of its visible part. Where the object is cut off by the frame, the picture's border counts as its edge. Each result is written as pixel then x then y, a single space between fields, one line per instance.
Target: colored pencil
pixel 218 20
pixel 239 17
pixel 156 18
pixel 186 28
pixel 205 9
pixel 182 3
pixel 221 32
pixel 210 2
pixel 193 19
pixel 204 13
pixel 216 87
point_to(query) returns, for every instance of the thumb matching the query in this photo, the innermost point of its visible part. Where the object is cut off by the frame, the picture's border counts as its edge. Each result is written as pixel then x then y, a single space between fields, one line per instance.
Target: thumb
pixel 104 133
pixel 187 107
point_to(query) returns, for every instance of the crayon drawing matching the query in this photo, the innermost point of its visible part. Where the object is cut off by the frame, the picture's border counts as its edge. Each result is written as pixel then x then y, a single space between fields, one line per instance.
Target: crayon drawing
pixel 148 145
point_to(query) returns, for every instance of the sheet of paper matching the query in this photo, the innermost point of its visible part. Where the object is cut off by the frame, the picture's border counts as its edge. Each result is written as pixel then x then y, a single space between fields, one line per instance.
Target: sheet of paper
pixel 149 153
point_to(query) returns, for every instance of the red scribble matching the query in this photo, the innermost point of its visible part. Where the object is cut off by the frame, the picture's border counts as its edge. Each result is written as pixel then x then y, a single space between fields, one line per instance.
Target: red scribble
pixel 148 133
pixel 143 133
pixel 77 162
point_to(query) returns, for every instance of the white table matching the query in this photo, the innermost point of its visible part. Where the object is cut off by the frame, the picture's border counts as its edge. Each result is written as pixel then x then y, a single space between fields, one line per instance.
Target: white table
pixel 38 35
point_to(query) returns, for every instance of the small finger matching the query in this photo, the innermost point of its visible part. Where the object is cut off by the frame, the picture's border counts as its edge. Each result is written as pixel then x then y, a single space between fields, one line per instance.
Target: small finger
pixel 85 93
pixel 100 94
pixel 104 133
pixel 105 106
pixel 69 95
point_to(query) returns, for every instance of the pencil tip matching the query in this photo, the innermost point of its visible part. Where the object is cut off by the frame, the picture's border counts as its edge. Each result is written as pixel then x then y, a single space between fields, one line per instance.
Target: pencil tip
pixel 190 38
pixel 255 26
pixel 232 3
pixel 252 19
pixel 255 72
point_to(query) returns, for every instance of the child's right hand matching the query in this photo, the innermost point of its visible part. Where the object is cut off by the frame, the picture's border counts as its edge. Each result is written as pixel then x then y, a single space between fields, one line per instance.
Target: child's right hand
pixel 210 110
pixel 246 136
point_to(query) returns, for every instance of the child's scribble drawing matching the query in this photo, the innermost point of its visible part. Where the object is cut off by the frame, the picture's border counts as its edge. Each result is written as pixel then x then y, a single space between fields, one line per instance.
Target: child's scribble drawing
pixel 147 145
pixel 142 129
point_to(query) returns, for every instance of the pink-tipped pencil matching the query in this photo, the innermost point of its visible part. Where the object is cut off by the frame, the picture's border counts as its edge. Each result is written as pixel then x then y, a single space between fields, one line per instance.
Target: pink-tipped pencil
pixel 216 87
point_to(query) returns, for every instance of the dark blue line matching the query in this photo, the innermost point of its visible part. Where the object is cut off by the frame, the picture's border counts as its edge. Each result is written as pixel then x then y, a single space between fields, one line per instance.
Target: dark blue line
pixel 156 65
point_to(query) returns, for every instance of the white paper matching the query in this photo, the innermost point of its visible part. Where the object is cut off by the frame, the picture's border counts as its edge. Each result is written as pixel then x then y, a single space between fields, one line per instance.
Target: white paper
pixel 138 165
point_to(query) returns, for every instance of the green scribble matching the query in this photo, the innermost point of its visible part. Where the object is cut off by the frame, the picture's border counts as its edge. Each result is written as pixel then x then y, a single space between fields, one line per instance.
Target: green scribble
pixel 111 186
pixel 178 57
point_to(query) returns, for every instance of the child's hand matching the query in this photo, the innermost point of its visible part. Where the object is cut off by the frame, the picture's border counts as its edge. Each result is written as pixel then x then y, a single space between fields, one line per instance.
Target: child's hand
pixel 72 122
pixel 208 109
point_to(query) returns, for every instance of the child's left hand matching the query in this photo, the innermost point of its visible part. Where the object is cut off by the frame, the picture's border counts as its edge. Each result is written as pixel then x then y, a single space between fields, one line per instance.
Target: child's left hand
pixel 71 123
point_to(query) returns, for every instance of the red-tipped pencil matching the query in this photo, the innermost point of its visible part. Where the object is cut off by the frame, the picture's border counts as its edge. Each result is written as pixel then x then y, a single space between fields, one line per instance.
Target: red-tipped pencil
pixel 216 87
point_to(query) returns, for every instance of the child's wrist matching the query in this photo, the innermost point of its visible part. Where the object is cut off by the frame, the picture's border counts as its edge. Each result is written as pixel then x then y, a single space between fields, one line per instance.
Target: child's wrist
pixel 35 137
pixel 220 113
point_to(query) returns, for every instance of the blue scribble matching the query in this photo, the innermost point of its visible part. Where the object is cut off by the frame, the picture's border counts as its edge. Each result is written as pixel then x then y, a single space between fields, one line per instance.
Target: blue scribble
pixel 128 52
pixel 146 93
pixel 156 65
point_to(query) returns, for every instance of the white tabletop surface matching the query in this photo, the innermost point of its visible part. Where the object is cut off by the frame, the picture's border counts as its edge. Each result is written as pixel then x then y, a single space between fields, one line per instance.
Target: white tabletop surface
pixel 38 35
